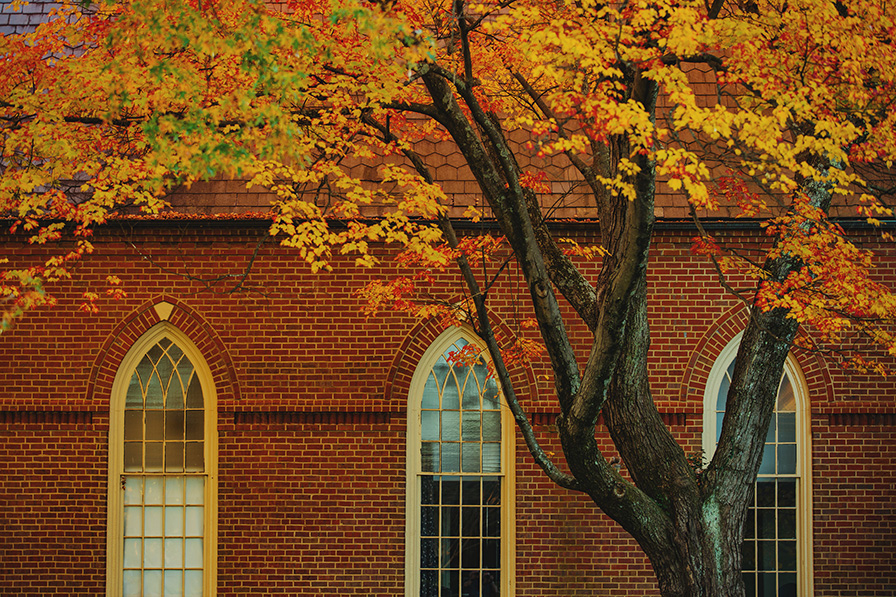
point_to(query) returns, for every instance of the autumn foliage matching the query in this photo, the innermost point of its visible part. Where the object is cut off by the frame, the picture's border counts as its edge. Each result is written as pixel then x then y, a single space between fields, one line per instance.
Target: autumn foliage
pixel 108 108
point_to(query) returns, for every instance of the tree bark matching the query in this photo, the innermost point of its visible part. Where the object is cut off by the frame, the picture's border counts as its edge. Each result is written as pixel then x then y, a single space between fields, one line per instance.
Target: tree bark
pixel 690 528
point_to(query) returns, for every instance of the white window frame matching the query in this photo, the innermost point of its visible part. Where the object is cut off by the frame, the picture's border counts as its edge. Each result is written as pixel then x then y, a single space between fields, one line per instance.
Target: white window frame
pixel 114 541
pixel 804 450
pixel 508 459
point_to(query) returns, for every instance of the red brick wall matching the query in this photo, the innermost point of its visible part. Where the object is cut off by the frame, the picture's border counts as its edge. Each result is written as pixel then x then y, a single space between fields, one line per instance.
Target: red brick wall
pixel 53 472
pixel 311 401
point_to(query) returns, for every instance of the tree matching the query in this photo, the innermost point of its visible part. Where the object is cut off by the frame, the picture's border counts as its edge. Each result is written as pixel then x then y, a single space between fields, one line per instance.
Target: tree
pixel 110 105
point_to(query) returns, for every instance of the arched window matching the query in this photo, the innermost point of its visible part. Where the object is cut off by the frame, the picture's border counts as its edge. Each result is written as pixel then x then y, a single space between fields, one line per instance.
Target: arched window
pixel 777 549
pixel 161 470
pixel 460 478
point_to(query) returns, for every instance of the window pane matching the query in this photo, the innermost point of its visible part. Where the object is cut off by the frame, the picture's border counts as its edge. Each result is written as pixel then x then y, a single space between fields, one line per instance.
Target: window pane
pixel 174 425
pixel 491 583
pixel 723 389
pixel 133 521
pixel 471 390
pixel 787 524
pixel 450 394
pixel 174 521
pixel 748 555
pixel 471 491
pixel 787 493
pixel 429 583
pixel 155 425
pixel 174 553
pixel 491 397
pixel 152 526
pixel 429 553
pixel 193 553
pixel 193 583
pixel 767 467
pixel 429 489
pixel 450 426
pixel 765 493
pixel 195 425
pixel 152 553
pixel 133 553
pixel 491 426
pixel 174 583
pixel 429 516
pixel 132 583
pixel 430 394
pixel 787 427
pixel 133 425
pixel 766 555
pixel 195 457
pixel 491 490
pixel 429 425
pixel 750 585
pixel 491 522
pixel 174 457
pixel 750 524
pixel 491 458
pixel 133 457
pixel 154 453
pixel 787 585
pixel 491 553
pixel 470 553
pixel 450 457
pixel 194 394
pixel 154 395
pixel 470 458
pixel 154 490
pixel 470 427
pixel 787 459
pixel 429 454
pixel 152 583
pixel 174 490
pixel 195 490
pixel 787 555
pixel 770 434
pixel 450 490
pixel 786 397
pixel 765 523
pixel 450 552
pixel 450 581
pixel 451 521
pixel 133 490
pixel 193 517
pixel 470 522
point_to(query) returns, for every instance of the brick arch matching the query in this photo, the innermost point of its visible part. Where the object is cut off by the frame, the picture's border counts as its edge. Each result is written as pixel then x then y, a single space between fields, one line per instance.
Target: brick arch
pixel 141 320
pixel 421 337
pixel 717 337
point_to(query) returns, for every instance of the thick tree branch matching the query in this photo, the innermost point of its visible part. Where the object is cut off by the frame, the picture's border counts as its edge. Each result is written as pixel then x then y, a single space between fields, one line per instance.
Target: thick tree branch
pixel 486 332
pixel 509 205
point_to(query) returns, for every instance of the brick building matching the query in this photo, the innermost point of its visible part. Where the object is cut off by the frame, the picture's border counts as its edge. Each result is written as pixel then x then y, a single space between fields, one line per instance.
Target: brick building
pixel 236 430
pixel 295 429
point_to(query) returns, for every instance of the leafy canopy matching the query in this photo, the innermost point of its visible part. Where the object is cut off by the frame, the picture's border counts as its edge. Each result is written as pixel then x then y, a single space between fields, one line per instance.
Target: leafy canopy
pixel 109 106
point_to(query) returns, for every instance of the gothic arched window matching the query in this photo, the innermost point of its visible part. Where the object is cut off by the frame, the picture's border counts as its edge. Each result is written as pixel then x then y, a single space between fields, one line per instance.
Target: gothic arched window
pixel 460 478
pixel 162 453
pixel 777 550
